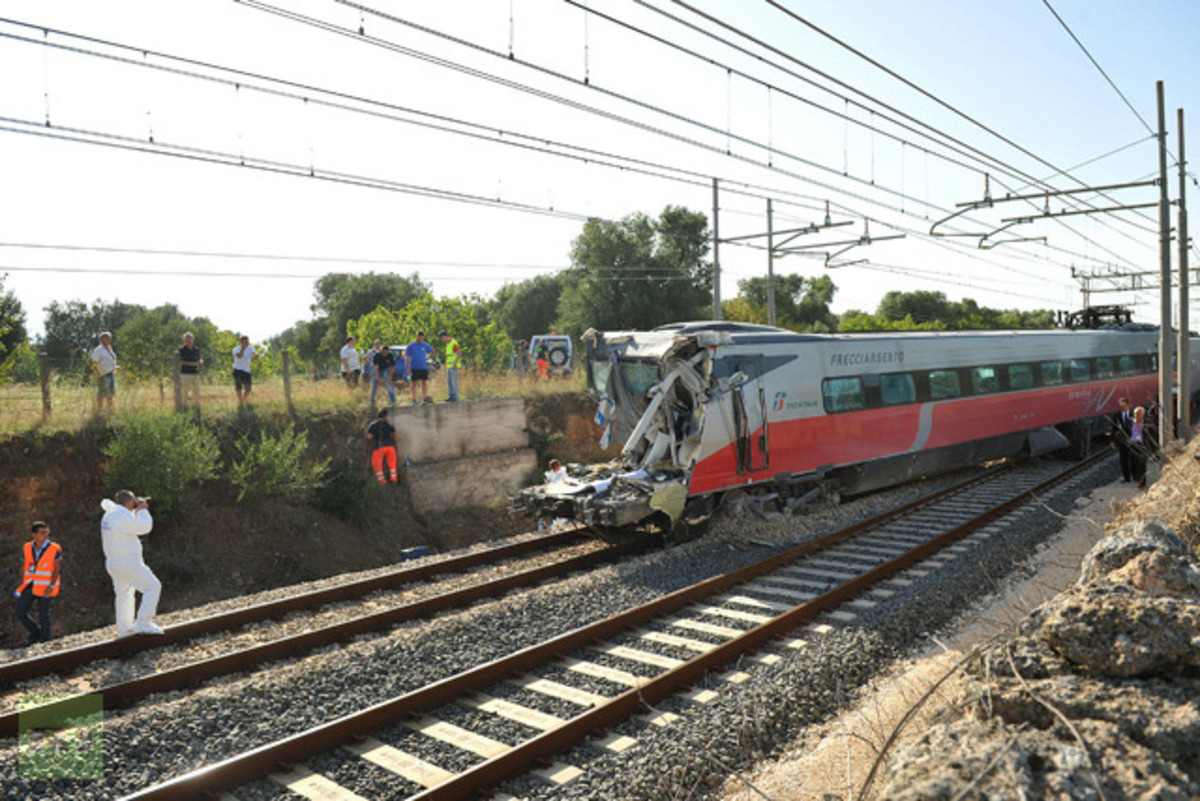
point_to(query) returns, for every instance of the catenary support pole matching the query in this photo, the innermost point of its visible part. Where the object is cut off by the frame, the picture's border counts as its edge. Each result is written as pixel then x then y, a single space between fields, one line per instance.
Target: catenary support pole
pixel 1166 427
pixel 716 275
pixel 1185 345
pixel 770 265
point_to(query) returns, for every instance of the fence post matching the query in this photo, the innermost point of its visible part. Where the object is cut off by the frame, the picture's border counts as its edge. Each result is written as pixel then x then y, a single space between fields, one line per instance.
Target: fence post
pixel 287 378
pixel 44 380
pixel 177 373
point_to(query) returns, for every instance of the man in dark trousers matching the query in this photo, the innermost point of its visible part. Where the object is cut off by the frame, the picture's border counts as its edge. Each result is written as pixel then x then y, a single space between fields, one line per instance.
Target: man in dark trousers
pixel 39 581
pixel 383 435
pixel 1122 427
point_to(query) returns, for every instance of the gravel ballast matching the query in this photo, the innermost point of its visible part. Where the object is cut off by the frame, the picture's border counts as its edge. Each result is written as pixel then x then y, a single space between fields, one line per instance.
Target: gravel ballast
pixel 165 737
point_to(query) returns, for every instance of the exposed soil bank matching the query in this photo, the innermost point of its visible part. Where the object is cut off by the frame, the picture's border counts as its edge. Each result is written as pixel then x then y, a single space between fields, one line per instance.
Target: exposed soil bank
pixel 224 549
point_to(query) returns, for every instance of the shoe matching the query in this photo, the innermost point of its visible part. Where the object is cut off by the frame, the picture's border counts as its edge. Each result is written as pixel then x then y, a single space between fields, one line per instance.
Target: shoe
pixel 146 628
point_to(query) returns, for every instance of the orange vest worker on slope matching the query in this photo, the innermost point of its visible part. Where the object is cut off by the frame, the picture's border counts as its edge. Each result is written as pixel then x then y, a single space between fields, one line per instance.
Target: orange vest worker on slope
pixel 39 581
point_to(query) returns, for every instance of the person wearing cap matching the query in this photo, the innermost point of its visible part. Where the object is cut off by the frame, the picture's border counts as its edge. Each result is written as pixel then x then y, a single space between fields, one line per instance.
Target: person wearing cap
pixel 40 581
pixel 126 520
pixel 453 362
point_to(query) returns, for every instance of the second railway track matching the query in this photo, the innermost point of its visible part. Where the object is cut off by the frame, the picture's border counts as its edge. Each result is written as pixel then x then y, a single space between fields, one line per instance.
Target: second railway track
pixel 609 670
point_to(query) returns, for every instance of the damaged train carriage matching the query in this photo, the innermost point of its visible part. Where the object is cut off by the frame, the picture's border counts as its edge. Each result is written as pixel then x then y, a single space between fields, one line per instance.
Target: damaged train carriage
pixel 706 408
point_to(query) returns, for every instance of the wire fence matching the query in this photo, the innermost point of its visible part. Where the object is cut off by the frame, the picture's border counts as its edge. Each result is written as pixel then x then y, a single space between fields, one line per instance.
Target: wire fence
pixel 66 397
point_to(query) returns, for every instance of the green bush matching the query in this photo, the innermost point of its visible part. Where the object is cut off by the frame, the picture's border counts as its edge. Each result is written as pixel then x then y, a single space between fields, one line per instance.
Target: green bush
pixel 344 492
pixel 164 456
pixel 274 466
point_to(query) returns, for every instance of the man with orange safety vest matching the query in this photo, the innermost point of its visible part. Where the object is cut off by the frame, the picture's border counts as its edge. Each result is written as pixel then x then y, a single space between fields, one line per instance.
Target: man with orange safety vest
pixel 126 520
pixel 39 581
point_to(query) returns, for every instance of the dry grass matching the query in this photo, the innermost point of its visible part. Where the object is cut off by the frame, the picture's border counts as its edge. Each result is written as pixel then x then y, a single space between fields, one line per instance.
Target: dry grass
pixel 74 406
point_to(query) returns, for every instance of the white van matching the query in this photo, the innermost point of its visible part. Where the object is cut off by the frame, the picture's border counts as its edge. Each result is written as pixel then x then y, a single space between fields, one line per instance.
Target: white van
pixel 558 351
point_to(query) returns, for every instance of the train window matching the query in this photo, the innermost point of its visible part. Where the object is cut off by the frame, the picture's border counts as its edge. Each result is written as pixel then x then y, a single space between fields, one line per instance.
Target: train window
pixel 1104 367
pixel 1080 370
pixel 1051 373
pixel 984 380
pixel 1020 376
pixel 600 371
pixel 897 388
pixel 1127 365
pixel 639 376
pixel 944 384
pixel 843 394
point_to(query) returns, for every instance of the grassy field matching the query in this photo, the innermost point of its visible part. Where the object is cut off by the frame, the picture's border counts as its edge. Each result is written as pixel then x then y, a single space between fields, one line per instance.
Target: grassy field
pixel 74 406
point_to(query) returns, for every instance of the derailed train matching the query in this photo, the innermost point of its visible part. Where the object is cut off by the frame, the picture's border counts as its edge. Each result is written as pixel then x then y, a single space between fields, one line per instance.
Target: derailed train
pixel 708 409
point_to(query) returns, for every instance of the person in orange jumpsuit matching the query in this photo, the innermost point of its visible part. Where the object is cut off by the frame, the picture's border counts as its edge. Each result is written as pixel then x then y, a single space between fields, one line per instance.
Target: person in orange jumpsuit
pixel 383 435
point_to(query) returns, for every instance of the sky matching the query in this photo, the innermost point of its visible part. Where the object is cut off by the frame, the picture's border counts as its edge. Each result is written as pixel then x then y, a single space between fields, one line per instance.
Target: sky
pixel 221 155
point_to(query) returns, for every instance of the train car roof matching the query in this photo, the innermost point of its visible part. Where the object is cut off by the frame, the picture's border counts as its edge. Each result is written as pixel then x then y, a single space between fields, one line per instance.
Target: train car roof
pixel 753 332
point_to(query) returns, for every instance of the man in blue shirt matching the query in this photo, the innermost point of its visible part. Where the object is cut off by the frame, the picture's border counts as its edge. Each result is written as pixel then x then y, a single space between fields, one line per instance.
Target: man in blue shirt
pixel 416 356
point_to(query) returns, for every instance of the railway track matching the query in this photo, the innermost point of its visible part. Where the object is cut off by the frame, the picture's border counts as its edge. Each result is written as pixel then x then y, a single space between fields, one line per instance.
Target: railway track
pixel 640 656
pixel 122 694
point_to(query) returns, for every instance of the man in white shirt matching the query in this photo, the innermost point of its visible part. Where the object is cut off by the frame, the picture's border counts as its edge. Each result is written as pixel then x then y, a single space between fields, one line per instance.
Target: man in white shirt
pixel 243 355
pixel 104 365
pixel 351 366
pixel 127 519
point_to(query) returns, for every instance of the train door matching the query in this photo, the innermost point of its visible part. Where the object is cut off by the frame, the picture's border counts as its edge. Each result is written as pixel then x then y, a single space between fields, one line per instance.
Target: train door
pixel 749 400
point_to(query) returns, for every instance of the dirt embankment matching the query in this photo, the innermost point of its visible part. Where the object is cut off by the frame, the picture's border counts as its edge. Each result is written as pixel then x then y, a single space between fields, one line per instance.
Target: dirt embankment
pixel 1092 695
pixel 223 549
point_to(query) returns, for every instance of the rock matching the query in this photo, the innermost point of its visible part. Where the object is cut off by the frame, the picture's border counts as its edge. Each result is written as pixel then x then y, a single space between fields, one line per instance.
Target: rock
pixel 1115 630
pixel 1113 552
pixel 1159 573
pixel 996 760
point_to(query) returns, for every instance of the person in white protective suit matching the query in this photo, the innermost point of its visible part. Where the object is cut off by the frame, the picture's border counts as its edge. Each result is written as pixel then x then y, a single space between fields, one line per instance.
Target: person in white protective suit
pixel 127 519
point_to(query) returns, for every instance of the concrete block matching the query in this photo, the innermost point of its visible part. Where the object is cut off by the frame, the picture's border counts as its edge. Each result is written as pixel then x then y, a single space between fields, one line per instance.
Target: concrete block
pixel 484 480
pixel 438 431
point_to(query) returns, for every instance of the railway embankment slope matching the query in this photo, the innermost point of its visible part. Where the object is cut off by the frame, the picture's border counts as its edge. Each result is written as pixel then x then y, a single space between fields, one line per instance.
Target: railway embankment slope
pixel 1095 695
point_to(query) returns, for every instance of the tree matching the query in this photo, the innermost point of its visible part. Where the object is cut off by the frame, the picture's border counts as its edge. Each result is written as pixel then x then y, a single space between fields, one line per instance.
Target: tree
pixel 922 305
pixel 342 297
pixel 964 315
pixel 637 273
pixel 73 328
pixel 304 339
pixel 147 342
pixel 529 307
pixel 12 332
pixel 484 345
pixel 801 304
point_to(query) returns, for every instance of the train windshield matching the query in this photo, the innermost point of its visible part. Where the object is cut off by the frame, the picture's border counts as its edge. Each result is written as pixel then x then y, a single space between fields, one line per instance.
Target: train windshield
pixel 639 376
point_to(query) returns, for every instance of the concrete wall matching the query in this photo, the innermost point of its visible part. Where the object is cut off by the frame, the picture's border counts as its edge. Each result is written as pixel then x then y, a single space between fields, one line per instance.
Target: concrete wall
pixel 470 453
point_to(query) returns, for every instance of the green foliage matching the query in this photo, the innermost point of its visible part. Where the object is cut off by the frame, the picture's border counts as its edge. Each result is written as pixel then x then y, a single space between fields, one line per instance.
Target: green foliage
pixel 637 273
pixel 861 322
pixel 275 466
pixel 25 367
pixel 342 297
pixel 801 304
pixel 930 307
pixel 73 329
pixel 164 456
pixel 529 307
pixel 304 338
pixel 484 345
pixel 146 344
pixel 12 333
pixel 343 493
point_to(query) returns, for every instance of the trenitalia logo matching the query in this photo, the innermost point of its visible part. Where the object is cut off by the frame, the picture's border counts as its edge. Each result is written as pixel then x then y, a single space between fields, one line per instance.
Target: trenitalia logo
pixel 780 398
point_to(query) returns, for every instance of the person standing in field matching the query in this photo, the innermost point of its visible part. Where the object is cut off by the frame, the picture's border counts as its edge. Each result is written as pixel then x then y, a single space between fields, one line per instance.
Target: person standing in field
pixel 40 581
pixel 243 355
pixel 453 363
pixel 351 365
pixel 383 362
pixel 189 371
pixel 382 435
pixel 104 366
pixel 416 356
